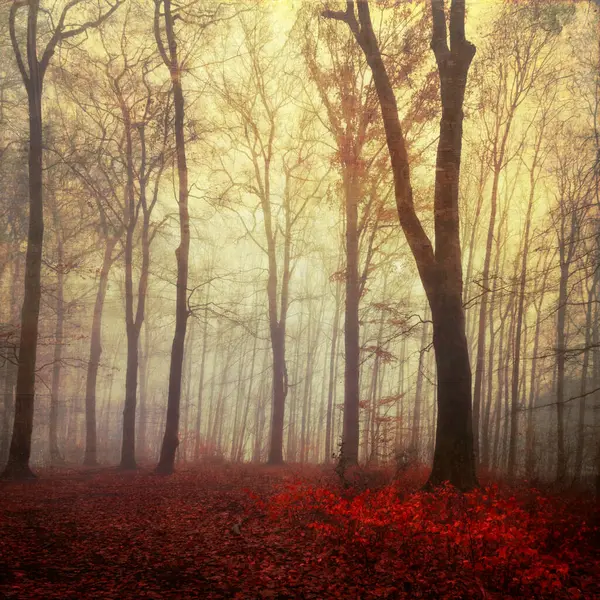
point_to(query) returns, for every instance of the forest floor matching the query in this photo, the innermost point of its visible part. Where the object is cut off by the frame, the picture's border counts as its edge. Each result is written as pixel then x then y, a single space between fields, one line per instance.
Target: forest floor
pixel 257 532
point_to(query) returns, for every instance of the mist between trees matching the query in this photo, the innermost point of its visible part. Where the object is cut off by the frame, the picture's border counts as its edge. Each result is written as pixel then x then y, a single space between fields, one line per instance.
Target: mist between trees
pixel 237 232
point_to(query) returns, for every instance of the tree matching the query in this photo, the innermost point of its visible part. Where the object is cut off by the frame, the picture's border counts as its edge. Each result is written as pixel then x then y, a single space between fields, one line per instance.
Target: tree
pixel 33 79
pixel 440 268
pixel 348 96
pixel 170 57
pixel 259 105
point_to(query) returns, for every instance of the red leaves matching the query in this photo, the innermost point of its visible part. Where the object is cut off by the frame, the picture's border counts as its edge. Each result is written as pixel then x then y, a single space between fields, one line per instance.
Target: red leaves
pixel 117 536
pixel 461 542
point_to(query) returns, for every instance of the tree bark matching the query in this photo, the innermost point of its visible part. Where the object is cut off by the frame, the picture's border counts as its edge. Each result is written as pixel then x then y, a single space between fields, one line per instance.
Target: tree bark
pixel 17 466
pixel 91 444
pixel 566 250
pixel 350 432
pixel 171 59
pixel 55 455
pixel 416 424
pixel 440 270
pixel 201 377
pixel 332 377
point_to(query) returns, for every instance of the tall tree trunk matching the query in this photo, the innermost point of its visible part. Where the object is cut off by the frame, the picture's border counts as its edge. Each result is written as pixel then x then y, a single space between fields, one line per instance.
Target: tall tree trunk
pixel 133 320
pixel 584 381
pixel 485 420
pixel 416 424
pixel 201 377
pixel 399 438
pixel 514 416
pixel 55 455
pixel 440 270
pixel 144 373
pixel 189 356
pixel 33 77
pixel 530 431
pixel 332 377
pixel 17 466
pixel 292 441
pixel 91 450
pixel 350 434
pixel 561 315
pixel 239 457
pixel 10 373
pixel 240 385
pixel 171 60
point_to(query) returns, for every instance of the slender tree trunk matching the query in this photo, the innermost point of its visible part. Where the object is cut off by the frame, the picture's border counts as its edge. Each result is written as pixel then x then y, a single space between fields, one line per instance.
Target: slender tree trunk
pixel 416 424
pixel 306 388
pixel 292 441
pixel 133 322
pixel 240 385
pixel 596 379
pixel 171 440
pixel 399 438
pixel 55 455
pixel 256 450
pixel 584 380
pixel 530 431
pixel 91 450
pixel 506 371
pixel 502 360
pixel 332 377
pixel 143 413
pixel 561 315
pixel 201 377
pixel 242 436
pixel 189 357
pixel 514 417
pixel 485 421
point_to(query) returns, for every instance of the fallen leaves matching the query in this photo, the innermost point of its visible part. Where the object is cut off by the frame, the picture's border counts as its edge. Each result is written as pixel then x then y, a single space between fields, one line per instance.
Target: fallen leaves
pixel 254 532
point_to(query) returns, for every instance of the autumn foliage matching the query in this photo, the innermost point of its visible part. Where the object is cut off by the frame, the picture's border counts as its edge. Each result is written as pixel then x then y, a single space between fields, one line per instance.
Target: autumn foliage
pixel 255 532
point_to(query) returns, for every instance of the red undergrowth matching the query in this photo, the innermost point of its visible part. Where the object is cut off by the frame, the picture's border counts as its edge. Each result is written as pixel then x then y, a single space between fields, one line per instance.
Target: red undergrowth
pixel 111 535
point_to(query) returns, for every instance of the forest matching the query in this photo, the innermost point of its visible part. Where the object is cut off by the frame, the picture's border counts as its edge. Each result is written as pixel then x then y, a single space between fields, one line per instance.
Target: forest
pixel 299 299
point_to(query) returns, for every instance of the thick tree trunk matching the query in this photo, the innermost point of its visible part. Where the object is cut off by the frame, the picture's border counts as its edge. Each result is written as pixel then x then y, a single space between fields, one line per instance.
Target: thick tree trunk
pixel 350 434
pixel 10 378
pixel 279 395
pixel 10 372
pixel 91 450
pixel 128 461
pixel 17 466
pixel 440 270
pixel 453 458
